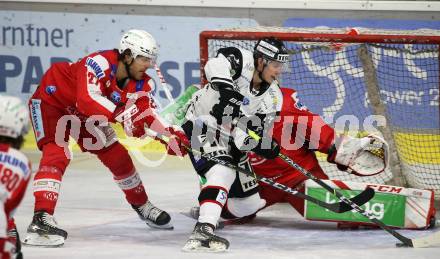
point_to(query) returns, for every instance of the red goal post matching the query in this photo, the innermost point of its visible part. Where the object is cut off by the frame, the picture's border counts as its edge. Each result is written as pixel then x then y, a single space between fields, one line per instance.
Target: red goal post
pixel 337 72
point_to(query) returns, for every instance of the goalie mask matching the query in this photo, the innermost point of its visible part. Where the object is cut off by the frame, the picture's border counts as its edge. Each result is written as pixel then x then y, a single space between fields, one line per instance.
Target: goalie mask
pixel 140 43
pixel 14 117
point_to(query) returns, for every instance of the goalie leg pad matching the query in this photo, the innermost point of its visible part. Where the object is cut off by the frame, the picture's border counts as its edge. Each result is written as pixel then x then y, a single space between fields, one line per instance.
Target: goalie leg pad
pixel 241 207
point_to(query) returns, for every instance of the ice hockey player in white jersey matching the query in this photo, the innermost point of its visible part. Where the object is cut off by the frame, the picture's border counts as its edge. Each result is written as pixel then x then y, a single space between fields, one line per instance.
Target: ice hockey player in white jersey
pixel 15 171
pixel 243 86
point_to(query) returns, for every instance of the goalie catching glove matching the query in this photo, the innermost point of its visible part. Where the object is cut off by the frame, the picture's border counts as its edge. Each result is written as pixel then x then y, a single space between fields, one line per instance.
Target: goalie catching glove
pixel 135 115
pixel 360 156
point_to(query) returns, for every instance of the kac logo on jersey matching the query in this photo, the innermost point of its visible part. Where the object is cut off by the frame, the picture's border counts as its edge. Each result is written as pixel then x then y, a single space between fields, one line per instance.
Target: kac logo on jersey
pixel 297 103
pixel 92 64
pixel 115 97
pixel 300 106
pixel 246 101
pixel 50 89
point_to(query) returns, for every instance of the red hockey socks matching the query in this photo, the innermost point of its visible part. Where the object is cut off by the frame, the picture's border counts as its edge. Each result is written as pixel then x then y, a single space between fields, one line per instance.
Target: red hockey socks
pixel 117 159
pixel 47 181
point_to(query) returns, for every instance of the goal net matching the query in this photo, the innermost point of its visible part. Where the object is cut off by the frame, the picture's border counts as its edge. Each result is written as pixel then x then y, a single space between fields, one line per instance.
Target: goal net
pixel 353 78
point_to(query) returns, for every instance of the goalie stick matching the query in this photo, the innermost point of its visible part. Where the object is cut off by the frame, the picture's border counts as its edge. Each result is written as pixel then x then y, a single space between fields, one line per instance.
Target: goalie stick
pixel 427 241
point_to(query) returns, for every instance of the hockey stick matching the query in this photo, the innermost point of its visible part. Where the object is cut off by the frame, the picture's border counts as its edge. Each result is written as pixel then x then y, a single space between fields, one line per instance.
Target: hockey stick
pixel 406 242
pixel 164 84
pixel 335 207
pixel 427 241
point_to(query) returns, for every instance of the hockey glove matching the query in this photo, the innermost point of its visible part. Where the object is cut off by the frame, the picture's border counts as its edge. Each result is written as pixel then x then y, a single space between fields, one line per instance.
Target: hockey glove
pixel 133 117
pixel 228 106
pixel 361 156
pixel 176 143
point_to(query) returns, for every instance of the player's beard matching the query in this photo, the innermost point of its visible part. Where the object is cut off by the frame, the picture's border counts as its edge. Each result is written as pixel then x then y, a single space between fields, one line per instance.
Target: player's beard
pixel 136 74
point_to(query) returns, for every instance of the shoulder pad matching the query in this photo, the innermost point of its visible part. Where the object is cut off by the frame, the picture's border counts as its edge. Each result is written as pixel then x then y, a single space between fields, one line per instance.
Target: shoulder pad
pixel 235 58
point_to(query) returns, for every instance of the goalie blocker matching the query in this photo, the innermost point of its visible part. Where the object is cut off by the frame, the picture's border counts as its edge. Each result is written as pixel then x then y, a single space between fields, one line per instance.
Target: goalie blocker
pixel 397 207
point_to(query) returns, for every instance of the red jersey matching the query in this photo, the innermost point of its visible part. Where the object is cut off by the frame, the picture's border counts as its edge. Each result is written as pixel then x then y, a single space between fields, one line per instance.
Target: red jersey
pixel 15 172
pixel 299 133
pixel 89 86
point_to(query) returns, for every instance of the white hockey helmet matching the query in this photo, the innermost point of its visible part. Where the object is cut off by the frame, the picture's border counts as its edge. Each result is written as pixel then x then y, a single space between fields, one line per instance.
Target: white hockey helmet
pixel 14 117
pixel 140 43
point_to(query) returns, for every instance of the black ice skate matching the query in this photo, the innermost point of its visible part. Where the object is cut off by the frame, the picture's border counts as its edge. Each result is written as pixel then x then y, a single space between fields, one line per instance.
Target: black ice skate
pixel 153 216
pixel 44 231
pixel 203 239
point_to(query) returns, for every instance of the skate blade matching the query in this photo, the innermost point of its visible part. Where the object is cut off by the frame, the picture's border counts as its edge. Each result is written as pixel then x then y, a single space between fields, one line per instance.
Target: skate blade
pixel 195 246
pixel 167 226
pixel 33 239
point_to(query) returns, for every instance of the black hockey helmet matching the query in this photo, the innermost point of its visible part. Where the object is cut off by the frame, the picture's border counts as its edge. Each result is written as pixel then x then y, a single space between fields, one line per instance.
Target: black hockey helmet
pixel 271 49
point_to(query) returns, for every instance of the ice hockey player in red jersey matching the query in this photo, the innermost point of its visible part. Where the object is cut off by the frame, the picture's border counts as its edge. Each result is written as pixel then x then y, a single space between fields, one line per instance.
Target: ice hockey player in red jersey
pixel 15 171
pixel 79 99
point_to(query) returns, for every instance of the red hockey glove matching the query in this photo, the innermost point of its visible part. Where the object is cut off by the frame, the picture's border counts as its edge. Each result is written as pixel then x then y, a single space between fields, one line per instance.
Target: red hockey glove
pixel 177 142
pixel 133 117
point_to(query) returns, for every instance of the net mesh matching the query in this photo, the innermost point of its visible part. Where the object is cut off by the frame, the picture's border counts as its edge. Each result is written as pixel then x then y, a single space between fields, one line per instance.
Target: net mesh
pixel 351 83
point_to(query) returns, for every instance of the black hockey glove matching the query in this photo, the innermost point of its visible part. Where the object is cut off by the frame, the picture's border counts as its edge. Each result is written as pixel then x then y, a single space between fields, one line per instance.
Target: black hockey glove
pixel 229 104
pixel 269 152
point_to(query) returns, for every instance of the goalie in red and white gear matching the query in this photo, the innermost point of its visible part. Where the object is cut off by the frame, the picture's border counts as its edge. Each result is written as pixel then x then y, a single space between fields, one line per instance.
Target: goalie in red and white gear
pixel 72 98
pixel 15 171
pixel 301 133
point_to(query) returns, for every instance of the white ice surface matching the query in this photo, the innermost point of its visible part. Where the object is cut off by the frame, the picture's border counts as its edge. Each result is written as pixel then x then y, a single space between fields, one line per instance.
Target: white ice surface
pixel 101 224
